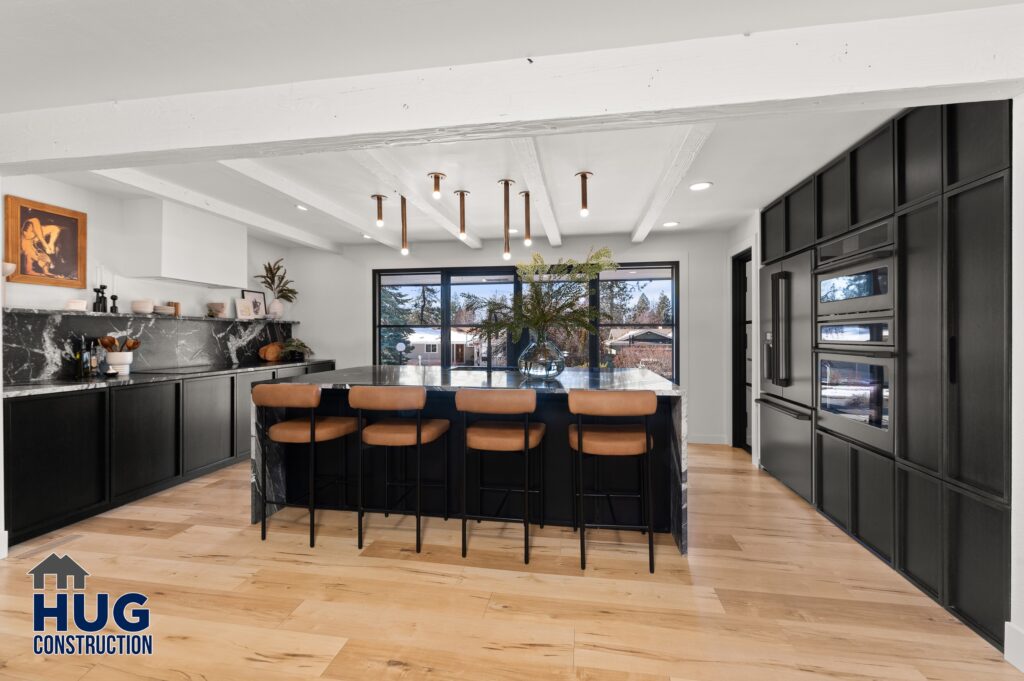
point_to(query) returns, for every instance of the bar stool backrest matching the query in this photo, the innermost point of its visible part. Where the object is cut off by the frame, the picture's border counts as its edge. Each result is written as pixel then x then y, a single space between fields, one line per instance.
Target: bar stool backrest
pixel 286 395
pixel 613 402
pixel 387 398
pixel 496 401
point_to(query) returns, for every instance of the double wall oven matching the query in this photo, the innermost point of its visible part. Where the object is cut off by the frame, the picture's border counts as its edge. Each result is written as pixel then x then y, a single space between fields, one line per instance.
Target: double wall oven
pixel 855 340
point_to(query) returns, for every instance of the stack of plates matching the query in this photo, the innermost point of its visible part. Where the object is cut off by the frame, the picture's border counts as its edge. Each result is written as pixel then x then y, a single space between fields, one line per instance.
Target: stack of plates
pixel 163 309
pixel 144 306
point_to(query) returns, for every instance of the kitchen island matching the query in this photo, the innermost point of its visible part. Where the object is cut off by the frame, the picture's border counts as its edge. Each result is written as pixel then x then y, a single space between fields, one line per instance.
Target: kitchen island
pixel 287 465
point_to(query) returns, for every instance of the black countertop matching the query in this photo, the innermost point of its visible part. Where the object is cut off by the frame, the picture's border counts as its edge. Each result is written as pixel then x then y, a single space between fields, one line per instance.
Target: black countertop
pixel 173 374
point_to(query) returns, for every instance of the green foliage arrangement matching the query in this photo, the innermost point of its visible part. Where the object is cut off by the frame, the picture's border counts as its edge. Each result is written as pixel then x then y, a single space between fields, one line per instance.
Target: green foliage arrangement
pixel 275 279
pixel 298 347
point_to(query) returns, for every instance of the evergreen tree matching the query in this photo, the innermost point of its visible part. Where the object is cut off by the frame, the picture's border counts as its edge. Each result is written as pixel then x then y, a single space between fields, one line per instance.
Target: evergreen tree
pixel 393 306
pixel 429 306
pixel 642 310
pixel 663 309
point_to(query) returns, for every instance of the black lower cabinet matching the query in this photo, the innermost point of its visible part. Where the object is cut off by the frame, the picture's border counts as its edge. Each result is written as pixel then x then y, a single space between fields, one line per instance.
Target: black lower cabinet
pixel 834 480
pixel 919 529
pixel 978 576
pixel 243 409
pixel 55 461
pixel 317 367
pixel 145 438
pixel 208 423
pixel 873 501
pixel 787 445
pixel 289 372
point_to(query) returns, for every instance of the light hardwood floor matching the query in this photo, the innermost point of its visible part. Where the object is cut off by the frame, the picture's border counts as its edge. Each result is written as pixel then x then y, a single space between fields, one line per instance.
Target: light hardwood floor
pixel 770 590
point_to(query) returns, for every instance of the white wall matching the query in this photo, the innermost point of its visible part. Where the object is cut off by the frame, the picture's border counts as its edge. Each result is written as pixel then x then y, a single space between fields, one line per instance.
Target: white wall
pixel 335 302
pixel 740 238
pixel 106 255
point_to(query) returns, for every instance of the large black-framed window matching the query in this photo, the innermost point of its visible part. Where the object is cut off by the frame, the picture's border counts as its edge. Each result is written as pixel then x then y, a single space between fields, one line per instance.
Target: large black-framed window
pixel 422 317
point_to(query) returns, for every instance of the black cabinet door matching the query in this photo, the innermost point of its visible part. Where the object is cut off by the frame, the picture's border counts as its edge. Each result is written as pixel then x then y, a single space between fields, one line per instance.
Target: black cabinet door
pixel 243 408
pixel 977 224
pixel 317 367
pixel 208 421
pixel 773 231
pixel 921 334
pixel 834 479
pixel 834 198
pixel 919 529
pixel 288 372
pixel 874 482
pixel 799 270
pixel 979 560
pixel 144 436
pixel 871 170
pixel 977 140
pixel 800 220
pixel 918 154
pixel 55 460
pixel 787 443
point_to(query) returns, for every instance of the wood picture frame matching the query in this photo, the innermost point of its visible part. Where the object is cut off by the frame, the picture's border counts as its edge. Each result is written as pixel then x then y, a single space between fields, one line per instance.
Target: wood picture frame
pixel 46 243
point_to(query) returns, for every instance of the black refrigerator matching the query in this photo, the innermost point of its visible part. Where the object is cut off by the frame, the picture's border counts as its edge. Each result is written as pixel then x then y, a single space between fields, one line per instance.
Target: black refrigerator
pixel 785 343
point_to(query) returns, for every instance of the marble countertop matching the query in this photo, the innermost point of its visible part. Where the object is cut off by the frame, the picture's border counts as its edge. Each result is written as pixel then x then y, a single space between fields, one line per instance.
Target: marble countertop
pixel 435 378
pixel 132 315
pixel 70 385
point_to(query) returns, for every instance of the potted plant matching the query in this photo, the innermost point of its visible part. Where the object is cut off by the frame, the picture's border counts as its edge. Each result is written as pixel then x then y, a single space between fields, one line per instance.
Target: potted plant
pixel 553 303
pixel 275 279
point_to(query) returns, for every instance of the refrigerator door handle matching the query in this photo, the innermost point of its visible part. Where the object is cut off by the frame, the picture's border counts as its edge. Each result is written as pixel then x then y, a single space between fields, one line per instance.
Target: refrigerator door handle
pixel 782 339
pixel 793 413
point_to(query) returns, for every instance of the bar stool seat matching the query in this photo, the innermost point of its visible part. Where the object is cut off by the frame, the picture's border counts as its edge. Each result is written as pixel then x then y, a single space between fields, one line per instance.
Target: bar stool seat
pixel 402 432
pixel 296 431
pixel 503 436
pixel 610 440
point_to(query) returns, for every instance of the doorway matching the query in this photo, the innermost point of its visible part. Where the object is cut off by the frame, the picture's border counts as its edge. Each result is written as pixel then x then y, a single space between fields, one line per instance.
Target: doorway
pixel 742 361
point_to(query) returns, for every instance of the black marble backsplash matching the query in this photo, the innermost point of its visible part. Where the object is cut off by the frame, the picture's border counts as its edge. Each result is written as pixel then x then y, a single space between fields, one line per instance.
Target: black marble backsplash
pixel 34 341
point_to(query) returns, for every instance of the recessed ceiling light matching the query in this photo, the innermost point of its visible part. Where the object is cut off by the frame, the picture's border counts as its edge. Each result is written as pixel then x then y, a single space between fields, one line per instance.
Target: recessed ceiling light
pixel 700 186
pixel 513 231
pixel 670 223
pixel 300 206
pixel 367 236
pixel 632 271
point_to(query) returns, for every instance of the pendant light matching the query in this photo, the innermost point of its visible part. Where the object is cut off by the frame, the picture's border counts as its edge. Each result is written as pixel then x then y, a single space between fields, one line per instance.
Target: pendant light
pixel 380 208
pixel 507 253
pixel 527 241
pixel 461 193
pixel 583 175
pixel 437 184
pixel 405 231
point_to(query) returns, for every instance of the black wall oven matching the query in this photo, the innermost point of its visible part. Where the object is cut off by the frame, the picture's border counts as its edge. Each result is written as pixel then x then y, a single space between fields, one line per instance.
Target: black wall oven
pixel 856 392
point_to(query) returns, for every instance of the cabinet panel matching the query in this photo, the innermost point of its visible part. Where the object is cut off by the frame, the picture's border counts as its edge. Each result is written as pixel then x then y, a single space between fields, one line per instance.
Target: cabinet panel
pixel 921 334
pixel 243 408
pixel 787 444
pixel 977 140
pixel 55 460
pixel 800 223
pixel 834 483
pixel 144 436
pixel 978 278
pixel 920 528
pixel 288 372
pixel 874 500
pixel 834 199
pixel 871 169
pixel 317 367
pixel 773 231
pixel 978 561
pixel 208 421
pixel 918 154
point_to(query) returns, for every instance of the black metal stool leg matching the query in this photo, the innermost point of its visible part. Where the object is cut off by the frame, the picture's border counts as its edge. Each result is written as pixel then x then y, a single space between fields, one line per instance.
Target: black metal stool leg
pixel 575 492
pixel 312 491
pixel 263 493
pixel 344 471
pixel 643 496
pixel 543 478
pixel 526 505
pixel 580 510
pixel 387 482
pixel 647 508
pixel 444 444
pixel 359 488
pixel 419 541
pixel 465 475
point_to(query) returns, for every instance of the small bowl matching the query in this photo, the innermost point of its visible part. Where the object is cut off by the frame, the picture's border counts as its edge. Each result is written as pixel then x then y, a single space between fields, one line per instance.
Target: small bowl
pixel 142 306
pixel 163 309
pixel 76 304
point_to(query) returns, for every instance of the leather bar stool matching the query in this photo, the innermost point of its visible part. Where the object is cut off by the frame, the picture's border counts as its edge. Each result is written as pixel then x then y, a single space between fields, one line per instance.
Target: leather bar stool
pixel 603 439
pixel 502 436
pixel 398 432
pixel 303 430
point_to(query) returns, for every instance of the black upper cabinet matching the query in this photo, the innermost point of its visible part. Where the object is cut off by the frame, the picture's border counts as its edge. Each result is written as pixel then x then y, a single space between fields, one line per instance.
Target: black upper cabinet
pixel 920 529
pixel 208 421
pixel 55 460
pixel 144 436
pixel 243 408
pixel 773 231
pixel 977 223
pixel 977 140
pixel 920 333
pixel 834 198
pixel 871 171
pixel 800 221
pixel 874 501
pixel 918 154
pixel 978 577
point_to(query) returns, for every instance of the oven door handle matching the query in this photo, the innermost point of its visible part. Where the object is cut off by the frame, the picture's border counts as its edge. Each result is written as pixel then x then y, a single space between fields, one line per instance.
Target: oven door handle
pixel 832 265
pixel 799 416
pixel 873 354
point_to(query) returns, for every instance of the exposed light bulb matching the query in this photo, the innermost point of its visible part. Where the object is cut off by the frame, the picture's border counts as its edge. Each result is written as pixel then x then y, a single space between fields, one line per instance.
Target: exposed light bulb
pixel 301 207
pixel 462 236
pixel 367 236
pixel 670 223
pixel 506 256
pixel 700 186
pixel 584 212
pixel 527 242
pixel 437 196
pixel 405 251
pixel 380 223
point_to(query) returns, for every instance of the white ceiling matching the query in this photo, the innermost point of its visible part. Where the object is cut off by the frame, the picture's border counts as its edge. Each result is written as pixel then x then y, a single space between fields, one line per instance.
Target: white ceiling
pixel 750 162
pixel 63 52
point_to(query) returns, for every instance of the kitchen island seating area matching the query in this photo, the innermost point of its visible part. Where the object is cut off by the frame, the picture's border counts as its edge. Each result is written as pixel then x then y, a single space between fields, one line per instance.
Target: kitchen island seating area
pixel 630 485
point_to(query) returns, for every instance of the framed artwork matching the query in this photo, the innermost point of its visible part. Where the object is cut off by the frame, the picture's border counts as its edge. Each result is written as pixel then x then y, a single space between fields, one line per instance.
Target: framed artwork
pixel 243 309
pixel 259 302
pixel 46 243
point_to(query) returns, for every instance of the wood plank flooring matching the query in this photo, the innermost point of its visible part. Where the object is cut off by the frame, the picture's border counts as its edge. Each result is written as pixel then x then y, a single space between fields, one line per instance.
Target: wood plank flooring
pixel 770 590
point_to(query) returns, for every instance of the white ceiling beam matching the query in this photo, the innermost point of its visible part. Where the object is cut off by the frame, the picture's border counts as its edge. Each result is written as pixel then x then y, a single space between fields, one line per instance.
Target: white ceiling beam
pixel 684 152
pixel 390 174
pixel 525 149
pixel 888 63
pixel 174 192
pixel 358 223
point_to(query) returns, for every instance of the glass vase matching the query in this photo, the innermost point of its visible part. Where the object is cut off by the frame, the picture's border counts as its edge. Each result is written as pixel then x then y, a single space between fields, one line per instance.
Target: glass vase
pixel 541 360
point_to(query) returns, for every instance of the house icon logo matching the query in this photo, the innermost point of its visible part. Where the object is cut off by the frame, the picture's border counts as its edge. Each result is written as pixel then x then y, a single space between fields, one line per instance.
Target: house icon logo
pixel 63 568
